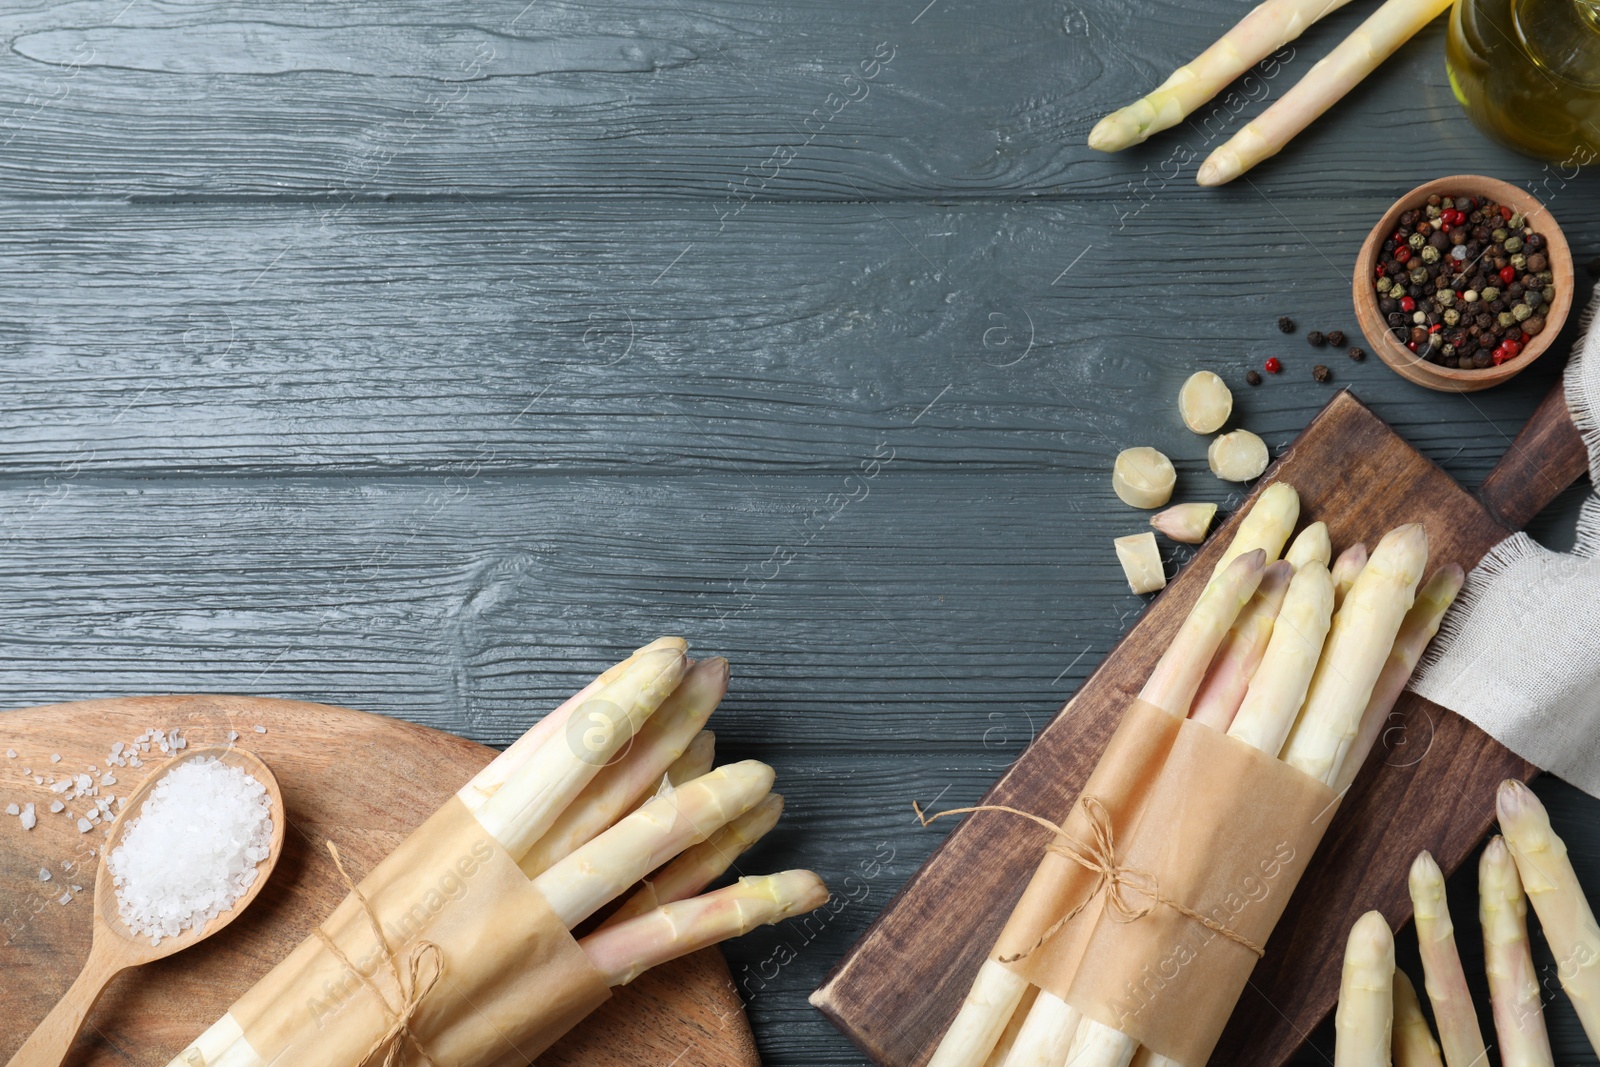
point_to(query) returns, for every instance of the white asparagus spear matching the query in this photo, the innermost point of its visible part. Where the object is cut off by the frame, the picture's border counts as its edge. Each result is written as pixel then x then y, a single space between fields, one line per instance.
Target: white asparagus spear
pixel 1365 1019
pixel 1045 1039
pixel 1240 655
pixel 1346 569
pixel 996 990
pixel 527 803
pixel 1278 687
pixel 983 1016
pixel 1557 899
pixel 1313 543
pixel 1421 623
pixel 1145 1058
pixel 1413 1044
pixel 582 883
pixel 489 780
pixel 1358 645
pixel 1098 1045
pixel 1263 31
pixel 620 787
pixel 625 951
pixel 1266 526
pixel 1341 70
pixel 1008 1037
pixel 697 759
pixel 1508 961
pixel 700 865
pixel 1444 979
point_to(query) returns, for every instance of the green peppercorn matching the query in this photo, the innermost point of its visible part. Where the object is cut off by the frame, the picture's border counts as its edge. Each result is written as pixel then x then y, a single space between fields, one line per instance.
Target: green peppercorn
pixel 1445 296
pixel 1418 275
pixel 1430 254
pixel 1384 284
pixel 1520 262
pixel 1500 234
pixel 1490 293
pixel 1416 240
pixel 1449 350
pixel 1517 220
pixel 1507 319
pixel 1434 211
pixel 1522 312
pixel 1513 243
pixel 1452 317
pixel 1546 276
pixel 1548 292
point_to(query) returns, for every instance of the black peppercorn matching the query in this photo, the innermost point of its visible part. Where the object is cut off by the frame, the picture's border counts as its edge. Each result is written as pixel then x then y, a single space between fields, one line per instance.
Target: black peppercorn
pixel 1250 376
pixel 1321 373
pixel 1315 339
pixel 1285 325
pixel 1336 338
pixel 1534 242
pixel 1357 354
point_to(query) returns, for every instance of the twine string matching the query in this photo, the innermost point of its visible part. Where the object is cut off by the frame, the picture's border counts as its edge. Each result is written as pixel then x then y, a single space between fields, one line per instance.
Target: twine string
pixel 423 967
pixel 1121 884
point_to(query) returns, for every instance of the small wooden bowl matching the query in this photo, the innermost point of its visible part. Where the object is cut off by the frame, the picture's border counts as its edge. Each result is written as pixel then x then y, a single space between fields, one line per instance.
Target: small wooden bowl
pixel 1408 364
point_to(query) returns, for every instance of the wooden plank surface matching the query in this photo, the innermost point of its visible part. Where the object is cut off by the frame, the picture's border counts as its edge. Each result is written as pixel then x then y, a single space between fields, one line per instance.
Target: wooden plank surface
pixel 360 780
pixel 403 468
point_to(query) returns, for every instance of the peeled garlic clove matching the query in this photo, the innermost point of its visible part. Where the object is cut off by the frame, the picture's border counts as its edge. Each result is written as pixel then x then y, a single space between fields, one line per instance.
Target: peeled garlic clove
pixel 1141 562
pixel 1143 477
pixel 1185 522
pixel 1312 544
pixel 1239 456
pixel 1205 402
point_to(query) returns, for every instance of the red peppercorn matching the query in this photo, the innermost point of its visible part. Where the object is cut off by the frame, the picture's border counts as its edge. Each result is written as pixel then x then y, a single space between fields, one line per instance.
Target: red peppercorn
pixel 1500 355
pixel 1436 327
pixel 1505 212
pixel 1457 217
pixel 1403 255
pixel 1513 348
pixel 1411 345
pixel 1407 304
pixel 1273 366
pixel 1508 274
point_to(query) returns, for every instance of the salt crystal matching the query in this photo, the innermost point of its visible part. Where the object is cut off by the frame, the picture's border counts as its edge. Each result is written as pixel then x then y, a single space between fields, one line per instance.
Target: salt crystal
pixel 56 758
pixel 84 825
pixel 56 806
pixel 233 735
pixel 116 750
pixel 29 819
pixel 11 753
pixel 77 889
pixel 12 809
pixel 44 875
pixel 109 779
pixel 261 729
pixel 84 783
pixel 192 851
pixel 66 898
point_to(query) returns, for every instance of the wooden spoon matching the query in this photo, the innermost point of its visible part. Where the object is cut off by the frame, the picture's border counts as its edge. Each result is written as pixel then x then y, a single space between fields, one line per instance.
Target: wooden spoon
pixel 116 948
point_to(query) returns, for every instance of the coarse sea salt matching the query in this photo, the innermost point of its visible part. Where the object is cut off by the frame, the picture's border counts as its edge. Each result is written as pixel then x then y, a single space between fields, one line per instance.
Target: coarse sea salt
pixel 192 851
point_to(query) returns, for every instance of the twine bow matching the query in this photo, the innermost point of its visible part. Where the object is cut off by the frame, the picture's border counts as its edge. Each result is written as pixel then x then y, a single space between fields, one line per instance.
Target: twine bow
pixel 424 966
pixel 1119 882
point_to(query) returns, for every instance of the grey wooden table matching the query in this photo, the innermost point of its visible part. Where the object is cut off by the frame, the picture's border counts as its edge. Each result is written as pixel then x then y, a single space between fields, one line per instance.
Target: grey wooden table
pixel 424 358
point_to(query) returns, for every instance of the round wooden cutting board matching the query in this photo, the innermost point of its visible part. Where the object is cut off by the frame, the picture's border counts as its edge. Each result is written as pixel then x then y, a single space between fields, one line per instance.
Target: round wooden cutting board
pixel 364 781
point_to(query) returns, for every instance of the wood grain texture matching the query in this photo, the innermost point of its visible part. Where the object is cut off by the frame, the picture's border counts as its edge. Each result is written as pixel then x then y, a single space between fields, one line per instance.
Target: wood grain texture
pixel 361 780
pixel 895 993
pixel 313 389
pixel 1546 456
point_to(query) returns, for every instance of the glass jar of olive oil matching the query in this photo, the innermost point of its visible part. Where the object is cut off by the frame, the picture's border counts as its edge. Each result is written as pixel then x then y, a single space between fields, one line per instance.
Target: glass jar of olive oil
pixel 1528 72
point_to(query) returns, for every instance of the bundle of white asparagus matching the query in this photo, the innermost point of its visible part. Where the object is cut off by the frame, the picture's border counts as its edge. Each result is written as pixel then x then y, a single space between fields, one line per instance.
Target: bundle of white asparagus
pixel 458 947
pixel 1379 1016
pixel 1300 666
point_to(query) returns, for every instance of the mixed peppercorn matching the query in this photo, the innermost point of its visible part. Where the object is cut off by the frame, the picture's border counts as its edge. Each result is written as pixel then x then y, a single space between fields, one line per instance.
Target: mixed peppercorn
pixel 1464 282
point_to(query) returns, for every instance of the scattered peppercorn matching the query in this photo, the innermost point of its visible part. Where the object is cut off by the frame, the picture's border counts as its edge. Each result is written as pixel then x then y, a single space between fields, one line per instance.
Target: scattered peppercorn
pixel 1285 324
pixel 1321 373
pixel 1357 354
pixel 1315 339
pixel 1460 282
pixel 1252 378
pixel 1273 366
pixel 1336 338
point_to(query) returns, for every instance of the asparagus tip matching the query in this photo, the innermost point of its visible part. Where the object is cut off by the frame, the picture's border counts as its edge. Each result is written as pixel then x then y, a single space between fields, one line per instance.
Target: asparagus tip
pixel 1425 871
pixel 1371 940
pixel 1514 799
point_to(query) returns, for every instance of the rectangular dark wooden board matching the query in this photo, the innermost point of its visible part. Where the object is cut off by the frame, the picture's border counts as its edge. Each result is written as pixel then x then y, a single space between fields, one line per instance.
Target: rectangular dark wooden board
pixel 1429 784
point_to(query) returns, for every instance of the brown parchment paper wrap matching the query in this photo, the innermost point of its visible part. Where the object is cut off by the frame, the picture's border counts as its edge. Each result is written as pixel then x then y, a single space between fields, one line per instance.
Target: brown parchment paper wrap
pixel 1223 829
pixel 513 978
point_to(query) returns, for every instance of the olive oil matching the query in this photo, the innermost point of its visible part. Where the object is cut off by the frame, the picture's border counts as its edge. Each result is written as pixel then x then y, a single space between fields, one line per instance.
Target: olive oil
pixel 1528 73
